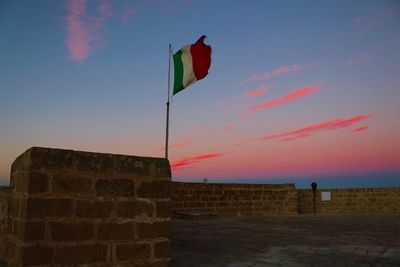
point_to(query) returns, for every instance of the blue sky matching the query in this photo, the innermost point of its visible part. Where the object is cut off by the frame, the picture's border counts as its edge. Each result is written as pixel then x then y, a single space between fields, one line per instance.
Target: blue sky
pixel 92 75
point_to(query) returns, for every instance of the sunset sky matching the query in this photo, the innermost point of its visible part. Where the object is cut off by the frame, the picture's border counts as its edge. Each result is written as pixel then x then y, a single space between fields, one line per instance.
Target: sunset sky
pixel 297 90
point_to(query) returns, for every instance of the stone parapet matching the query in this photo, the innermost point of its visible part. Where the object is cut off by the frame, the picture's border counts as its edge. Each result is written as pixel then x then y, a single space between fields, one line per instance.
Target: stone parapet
pixel 234 199
pixel 4 192
pixel 71 208
pixel 356 200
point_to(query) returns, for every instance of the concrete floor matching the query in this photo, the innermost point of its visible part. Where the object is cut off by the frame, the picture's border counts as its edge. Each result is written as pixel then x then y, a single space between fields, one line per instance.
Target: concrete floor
pixel 303 240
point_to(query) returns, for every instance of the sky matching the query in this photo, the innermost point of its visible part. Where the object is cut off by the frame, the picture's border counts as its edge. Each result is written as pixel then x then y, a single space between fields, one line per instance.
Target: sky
pixel 297 91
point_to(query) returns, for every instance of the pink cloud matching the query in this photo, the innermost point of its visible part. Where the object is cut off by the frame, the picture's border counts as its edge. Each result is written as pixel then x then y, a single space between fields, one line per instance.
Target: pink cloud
pixel 128 12
pixel 191 160
pixel 181 144
pixel 292 138
pixel 82 31
pixel 392 11
pixel 327 125
pixel 266 75
pixel 362 24
pixel 200 126
pixel 292 96
pixel 360 129
pixel 229 127
pixel 361 58
pixel 260 90
pixel 169 8
pixel 240 144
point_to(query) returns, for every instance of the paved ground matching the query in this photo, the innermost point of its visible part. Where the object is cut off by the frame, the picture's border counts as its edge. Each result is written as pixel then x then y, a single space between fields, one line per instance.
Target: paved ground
pixel 304 240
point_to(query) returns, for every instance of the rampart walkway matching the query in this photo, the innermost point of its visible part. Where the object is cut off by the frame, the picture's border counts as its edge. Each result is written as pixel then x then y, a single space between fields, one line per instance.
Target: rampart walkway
pixel 303 240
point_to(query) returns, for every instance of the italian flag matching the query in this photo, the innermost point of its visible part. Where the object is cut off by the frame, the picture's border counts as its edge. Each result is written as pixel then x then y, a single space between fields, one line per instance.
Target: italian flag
pixel 191 64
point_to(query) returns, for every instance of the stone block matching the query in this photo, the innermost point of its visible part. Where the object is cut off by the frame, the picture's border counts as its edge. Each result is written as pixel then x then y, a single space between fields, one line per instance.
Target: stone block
pixel 38 183
pixel 133 252
pixel 131 209
pixel 80 254
pixel 154 189
pixel 49 207
pixel 86 162
pixel 115 231
pixel 153 230
pixel 71 231
pixel 71 185
pixel 37 255
pixel 115 187
pixel 162 249
pixel 34 231
pixel 93 209
pixel 163 209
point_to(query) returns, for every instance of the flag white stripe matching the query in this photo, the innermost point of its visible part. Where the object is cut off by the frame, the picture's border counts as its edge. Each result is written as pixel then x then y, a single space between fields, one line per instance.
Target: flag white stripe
pixel 188 72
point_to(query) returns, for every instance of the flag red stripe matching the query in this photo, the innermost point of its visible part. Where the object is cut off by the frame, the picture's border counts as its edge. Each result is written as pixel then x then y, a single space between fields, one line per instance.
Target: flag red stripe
pixel 201 58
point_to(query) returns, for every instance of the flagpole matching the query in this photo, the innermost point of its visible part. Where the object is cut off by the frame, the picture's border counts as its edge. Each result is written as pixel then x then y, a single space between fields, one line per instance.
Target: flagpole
pixel 169 75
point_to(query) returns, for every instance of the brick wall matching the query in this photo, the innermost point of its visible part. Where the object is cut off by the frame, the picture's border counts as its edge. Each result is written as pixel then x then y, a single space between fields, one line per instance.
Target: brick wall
pixel 4 191
pixel 359 200
pixel 234 199
pixel 69 208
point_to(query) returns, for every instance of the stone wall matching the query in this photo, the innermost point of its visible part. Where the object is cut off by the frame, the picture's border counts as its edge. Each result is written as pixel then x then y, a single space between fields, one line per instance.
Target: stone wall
pixel 4 191
pixel 69 208
pixel 234 199
pixel 358 200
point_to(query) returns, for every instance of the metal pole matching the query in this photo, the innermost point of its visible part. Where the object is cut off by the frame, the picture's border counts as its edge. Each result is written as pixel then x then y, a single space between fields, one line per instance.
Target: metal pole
pixel 167 128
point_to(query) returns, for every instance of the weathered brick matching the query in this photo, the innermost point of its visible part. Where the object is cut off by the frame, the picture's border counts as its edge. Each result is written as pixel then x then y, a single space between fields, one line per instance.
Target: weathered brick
pixel 158 263
pixel 131 209
pixel 11 251
pixel 115 231
pixel 154 189
pixel 49 207
pixel 20 181
pixel 71 231
pixel 115 187
pixel 91 162
pixel 49 159
pixel 14 205
pixel 153 230
pixel 163 209
pixel 69 184
pixel 133 252
pixel 15 228
pixel 81 254
pixel 142 166
pixel 36 255
pixel 93 209
pixel 162 249
pixel 34 231
pixel 38 183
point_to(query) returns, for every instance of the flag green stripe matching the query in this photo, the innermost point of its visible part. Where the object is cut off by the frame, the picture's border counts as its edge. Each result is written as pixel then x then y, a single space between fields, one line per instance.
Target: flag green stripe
pixel 178 72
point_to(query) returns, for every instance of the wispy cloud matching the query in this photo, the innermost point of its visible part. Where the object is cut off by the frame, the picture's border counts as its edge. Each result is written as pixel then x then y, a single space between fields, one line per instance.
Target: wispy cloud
pixel 192 160
pixel 83 31
pixel 311 129
pixel 299 136
pixel 181 144
pixel 200 126
pixel 259 91
pixel 228 127
pixel 256 77
pixel 360 58
pixel 169 8
pixel 362 24
pixel 360 129
pixel 292 96
pixel 391 11
pixel 128 11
